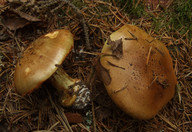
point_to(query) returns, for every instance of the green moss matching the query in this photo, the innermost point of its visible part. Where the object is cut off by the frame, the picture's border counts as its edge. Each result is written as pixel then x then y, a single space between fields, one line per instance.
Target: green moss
pixel 177 18
pixel 131 7
pixel 78 3
pixel 181 16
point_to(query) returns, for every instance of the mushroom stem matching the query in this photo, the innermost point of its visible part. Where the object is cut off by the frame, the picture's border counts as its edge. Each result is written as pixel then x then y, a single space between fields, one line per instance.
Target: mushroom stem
pixel 74 92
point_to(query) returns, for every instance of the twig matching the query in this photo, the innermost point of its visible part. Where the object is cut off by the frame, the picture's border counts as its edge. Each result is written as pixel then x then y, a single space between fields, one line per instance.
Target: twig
pixel 85 28
pixel 90 53
pixel 94 120
pixel 168 122
pixel 134 37
pixel 56 8
pixel 153 81
pixel 118 90
pixel 169 3
pixel 16 40
pixel 53 126
pixel 49 3
pixel 117 16
pixel 61 115
pixel 82 126
pixel 90 81
pixel 137 3
pixel 148 56
pixel 4 72
pixel 6 100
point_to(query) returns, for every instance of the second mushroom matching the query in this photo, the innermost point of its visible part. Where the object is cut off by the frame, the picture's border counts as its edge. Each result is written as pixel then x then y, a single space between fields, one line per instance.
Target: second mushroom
pixel 137 71
pixel 41 61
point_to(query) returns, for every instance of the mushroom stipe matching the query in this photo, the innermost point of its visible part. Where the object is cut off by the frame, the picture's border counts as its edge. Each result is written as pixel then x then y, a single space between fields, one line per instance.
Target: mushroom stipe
pixel 137 72
pixel 42 61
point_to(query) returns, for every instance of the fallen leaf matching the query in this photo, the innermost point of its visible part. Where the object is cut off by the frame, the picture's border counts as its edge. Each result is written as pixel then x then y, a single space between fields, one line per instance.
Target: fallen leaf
pixel 25 16
pixel 14 23
pixel 116 46
pixel 14 19
pixel 74 117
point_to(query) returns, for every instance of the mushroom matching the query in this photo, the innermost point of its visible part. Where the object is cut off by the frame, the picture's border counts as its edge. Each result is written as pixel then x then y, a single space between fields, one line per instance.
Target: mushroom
pixel 137 72
pixel 41 61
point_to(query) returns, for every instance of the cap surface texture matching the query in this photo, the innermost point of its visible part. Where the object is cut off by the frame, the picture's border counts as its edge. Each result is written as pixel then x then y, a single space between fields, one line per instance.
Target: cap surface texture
pixel 137 72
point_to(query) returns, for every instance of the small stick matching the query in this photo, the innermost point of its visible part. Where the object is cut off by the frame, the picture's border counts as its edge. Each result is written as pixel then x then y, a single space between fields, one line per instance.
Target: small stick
pixel 56 8
pixel 118 90
pixel 94 120
pixel 54 125
pixel 16 40
pixel 168 122
pixel 117 16
pixel 61 115
pixel 134 37
pixel 85 28
pixel 159 51
pixel 82 126
pixel 150 41
pixel 115 65
pixel 49 3
pixel 153 81
pixel 148 56
pixel 90 53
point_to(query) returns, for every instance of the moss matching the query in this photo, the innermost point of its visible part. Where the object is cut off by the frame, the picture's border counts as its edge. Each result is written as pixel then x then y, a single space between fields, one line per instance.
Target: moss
pixel 181 16
pixel 133 8
pixel 177 18
pixel 78 3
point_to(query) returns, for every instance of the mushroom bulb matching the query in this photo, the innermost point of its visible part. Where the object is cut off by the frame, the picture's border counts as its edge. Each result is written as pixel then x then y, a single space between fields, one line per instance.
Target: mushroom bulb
pixel 40 62
pixel 137 72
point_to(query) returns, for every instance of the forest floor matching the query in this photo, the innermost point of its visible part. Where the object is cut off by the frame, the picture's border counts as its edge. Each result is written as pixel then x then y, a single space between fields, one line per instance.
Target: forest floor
pixel 24 21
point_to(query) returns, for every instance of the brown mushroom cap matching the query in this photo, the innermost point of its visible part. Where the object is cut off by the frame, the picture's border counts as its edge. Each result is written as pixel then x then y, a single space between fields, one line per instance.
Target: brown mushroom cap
pixel 39 61
pixel 137 72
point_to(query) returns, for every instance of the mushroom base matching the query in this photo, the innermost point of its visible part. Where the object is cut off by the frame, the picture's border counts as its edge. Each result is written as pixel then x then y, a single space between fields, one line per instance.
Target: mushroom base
pixel 73 91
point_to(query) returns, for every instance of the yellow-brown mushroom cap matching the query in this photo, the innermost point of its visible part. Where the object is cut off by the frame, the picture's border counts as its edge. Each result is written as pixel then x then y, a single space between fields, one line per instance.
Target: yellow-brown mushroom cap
pixel 137 72
pixel 41 59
